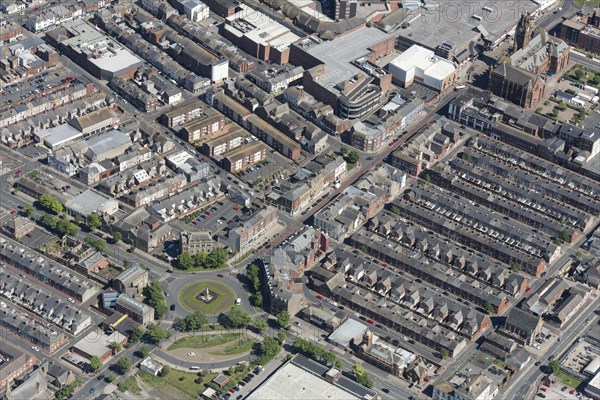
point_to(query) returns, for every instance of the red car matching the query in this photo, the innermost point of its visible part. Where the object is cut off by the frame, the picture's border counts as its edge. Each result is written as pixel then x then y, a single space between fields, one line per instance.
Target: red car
pixel 13 212
pixel 18 172
pixel 543 389
pixel 236 208
pixel 370 321
pixel 232 390
pixel 528 289
pixel 195 222
pixel 320 297
pixel 207 212
pixel 572 391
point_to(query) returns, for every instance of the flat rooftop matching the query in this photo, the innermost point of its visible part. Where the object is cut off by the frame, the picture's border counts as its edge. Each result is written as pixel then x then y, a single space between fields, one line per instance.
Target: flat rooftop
pixel 452 21
pixel 338 54
pixel 303 379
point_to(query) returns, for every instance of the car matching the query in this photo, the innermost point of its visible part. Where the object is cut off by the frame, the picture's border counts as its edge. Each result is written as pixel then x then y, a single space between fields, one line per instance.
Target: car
pixel 191 354
pixel 239 397
pixel 371 321
pixel 207 212
pixel 172 308
pixel 242 383
pixel 232 390
pixel 247 379
pixel 92 390
pixel 13 211
pixel 250 376
pixel 18 172
pixel 542 395
pixel 236 208
pixel 320 297
pixel 304 212
pixel 220 275
pixel 70 300
pixel 35 348
pixel 563 389
pixel 101 377
pixel 572 391
pixel 237 388
pixel 543 389
pixel 195 222
pixel 528 289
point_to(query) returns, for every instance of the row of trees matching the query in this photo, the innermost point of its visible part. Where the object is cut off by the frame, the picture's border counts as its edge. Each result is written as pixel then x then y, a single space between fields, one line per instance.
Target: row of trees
pixel 152 335
pixel 253 275
pixel 60 225
pixel 98 244
pixel 192 322
pixel 50 204
pixel 267 350
pixel 154 297
pixel 316 352
pixel 361 376
pixel 213 260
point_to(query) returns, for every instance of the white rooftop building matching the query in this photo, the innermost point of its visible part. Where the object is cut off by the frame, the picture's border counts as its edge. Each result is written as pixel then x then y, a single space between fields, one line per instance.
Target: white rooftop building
pixel 421 64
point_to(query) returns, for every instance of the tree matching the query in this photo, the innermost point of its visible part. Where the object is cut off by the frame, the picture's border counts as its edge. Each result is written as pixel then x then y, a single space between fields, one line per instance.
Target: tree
pixel 267 349
pixel 344 150
pixel 427 178
pixel 123 365
pixel 256 299
pixel 468 156
pixel 67 391
pixel 219 255
pixel 489 307
pixel 165 371
pixel 237 317
pixel 260 324
pixel 554 366
pixel 154 298
pixel 135 335
pixel 93 221
pixel 579 74
pixel 115 347
pixel 281 336
pixel 98 244
pixel 395 210
pixel 117 237
pixel 144 352
pixel 283 319
pixel 338 364
pixel 516 267
pixel 95 363
pixel 49 203
pixel 78 219
pixel 28 209
pixel 564 236
pixel 71 229
pixel 444 352
pixel 155 333
pixel 186 261
pixel 353 157
pixel 192 322
pixel 361 376
pixel 126 263
pixel 49 221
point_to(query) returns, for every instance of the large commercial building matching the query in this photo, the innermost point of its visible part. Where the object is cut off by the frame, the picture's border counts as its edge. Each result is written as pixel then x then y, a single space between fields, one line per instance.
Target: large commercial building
pixel 343 73
pixel 422 65
pixel 100 55
pixel 583 31
pixel 196 242
pixel 304 379
pixel 138 311
pixel 259 35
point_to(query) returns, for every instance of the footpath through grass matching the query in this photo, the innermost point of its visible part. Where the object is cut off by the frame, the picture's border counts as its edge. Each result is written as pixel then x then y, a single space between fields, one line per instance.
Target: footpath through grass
pixel 244 345
pixel 204 341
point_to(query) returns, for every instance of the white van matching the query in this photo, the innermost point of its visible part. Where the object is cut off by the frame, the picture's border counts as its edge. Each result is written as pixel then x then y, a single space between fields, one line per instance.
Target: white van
pixel 238 301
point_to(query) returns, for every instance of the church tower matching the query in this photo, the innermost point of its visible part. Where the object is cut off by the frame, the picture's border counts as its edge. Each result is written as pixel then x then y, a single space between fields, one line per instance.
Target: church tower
pixel 523 32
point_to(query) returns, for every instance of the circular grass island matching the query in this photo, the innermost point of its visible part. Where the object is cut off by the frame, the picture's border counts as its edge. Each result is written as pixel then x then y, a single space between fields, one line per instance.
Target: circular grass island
pixel 208 297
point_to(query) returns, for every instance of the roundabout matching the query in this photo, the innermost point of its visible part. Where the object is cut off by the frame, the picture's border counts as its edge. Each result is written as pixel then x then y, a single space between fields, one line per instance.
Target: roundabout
pixel 207 296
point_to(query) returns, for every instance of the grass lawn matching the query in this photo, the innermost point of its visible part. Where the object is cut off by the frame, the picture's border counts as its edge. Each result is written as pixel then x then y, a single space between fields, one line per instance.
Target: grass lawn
pixel 595 3
pixel 178 384
pixel 499 363
pixel 222 303
pixel 130 384
pixel 568 380
pixel 204 341
pixel 243 345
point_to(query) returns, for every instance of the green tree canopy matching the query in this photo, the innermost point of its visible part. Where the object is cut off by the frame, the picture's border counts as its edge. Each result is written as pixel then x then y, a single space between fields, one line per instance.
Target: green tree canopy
pixel 154 297
pixel 93 221
pixel 283 319
pixel 49 203
pixel 95 363
pixel 554 366
pixel 155 333
pixel 192 322
pixel 28 209
pixel 123 365
pixel 186 261
pixel 237 317
pixel 136 334
pixel 260 324
pixel 117 237
pixel 361 376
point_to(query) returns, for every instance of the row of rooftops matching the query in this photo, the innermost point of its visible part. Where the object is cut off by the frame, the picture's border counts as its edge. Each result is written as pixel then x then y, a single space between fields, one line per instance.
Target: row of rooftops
pixel 526 177
pixel 46 270
pixel 479 267
pixel 29 326
pixel 417 264
pixel 466 230
pixel 44 303
pixel 404 321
